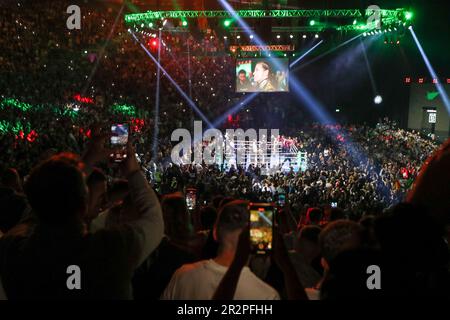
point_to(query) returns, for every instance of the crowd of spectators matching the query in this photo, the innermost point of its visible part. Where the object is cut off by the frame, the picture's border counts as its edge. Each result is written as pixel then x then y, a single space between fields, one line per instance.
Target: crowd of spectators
pixel 128 227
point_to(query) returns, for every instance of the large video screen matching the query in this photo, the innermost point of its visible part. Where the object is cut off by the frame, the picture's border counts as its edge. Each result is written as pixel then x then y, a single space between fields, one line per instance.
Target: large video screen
pixel 262 75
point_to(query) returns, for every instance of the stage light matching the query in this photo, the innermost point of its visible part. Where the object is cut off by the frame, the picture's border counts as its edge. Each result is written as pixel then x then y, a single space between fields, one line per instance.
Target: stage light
pixel 238 37
pixel 378 99
pixel 164 22
pixel 312 22
pixel 408 15
pixel 225 37
pixel 338 110
pixel 227 23
pixel 251 36
pixel 291 36
pixel 150 25
pixel 278 36
pixel 184 23
pixel 354 22
pixel 364 34
pixel 304 36
pixel 316 36
pixel 285 55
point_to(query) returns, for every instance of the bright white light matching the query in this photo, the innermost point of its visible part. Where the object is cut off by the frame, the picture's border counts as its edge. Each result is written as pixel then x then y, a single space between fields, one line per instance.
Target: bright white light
pixel 378 99
pixel 316 36
pixel 164 22
pixel 251 36
pixel 238 37
pixel 304 36
pixel 291 36
pixel 278 36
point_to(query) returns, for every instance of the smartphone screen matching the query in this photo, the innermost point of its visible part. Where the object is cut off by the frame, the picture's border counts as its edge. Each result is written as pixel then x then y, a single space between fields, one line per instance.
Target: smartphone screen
pixel 191 198
pixel 119 140
pixel 281 200
pixel 119 135
pixel 261 227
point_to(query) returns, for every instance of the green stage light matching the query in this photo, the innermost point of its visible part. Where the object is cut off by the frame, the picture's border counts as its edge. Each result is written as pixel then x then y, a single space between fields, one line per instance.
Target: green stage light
pixel 312 22
pixel 150 25
pixel 408 15
pixel 184 23
pixel 354 22
pixel 227 23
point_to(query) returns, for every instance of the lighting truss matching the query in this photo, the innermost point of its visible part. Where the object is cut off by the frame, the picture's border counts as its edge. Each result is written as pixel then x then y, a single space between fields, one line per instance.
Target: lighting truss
pixel 397 14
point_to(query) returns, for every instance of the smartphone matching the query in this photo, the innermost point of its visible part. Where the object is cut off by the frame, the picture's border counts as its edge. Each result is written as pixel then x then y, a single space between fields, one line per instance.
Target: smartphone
pixel 261 227
pixel 119 140
pixel 281 200
pixel 334 204
pixel 191 198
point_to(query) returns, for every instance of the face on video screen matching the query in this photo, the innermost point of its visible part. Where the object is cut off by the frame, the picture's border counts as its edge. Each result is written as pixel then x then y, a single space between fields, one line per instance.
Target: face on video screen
pixel 261 72
pixel 262 75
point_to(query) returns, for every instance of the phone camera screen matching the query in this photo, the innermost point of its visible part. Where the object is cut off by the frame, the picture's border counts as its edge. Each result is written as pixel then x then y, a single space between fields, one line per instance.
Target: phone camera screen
pixel 261 223
pixel 119 134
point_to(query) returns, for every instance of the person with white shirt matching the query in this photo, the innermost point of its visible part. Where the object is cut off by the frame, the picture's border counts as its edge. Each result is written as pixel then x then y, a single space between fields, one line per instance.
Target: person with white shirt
pixel 199 281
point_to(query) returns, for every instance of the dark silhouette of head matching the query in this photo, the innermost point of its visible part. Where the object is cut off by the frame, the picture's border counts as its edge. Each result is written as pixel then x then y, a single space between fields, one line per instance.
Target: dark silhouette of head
pixel 208 216
pixel 308 241
pixel 10 178
pixel 176 216
pixel 231 219
pixel 338 236
pixel 314 215
pixel 57 191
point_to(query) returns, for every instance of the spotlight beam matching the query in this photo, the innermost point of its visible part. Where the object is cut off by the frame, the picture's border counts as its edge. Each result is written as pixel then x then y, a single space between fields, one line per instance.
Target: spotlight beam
pixel 305 54
pixel 433 74
pixel 156 127
pixel 326 53
pixel 369 69
pixel 102 51
pixel 313 105
pixel 238 106
pixel 183 94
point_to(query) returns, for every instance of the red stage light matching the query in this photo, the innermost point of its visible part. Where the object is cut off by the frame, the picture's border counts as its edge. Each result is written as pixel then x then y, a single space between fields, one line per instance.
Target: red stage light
pixel 153 43
pixel 435 81
pixel 407 80
pixel 420 80
pixel 448 80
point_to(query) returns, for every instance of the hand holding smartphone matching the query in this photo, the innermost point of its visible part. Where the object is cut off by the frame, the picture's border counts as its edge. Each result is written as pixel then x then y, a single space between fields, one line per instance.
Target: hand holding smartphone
pixel 191 198
pixel 261 227
pixel 119 140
